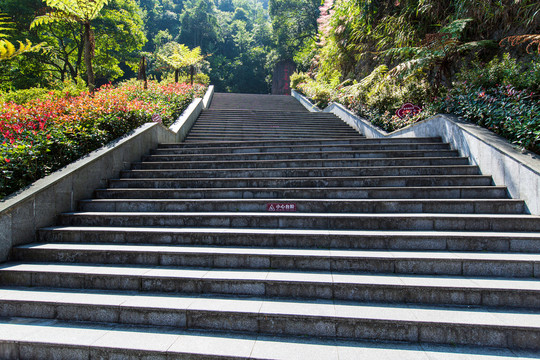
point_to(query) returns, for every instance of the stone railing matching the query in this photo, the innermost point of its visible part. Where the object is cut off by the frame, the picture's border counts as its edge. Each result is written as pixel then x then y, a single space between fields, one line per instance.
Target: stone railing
pixel 518 171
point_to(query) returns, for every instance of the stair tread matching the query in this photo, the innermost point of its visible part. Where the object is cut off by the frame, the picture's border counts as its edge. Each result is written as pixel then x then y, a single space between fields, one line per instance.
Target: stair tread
pixel 291 308
pixel 302 252
pixel 326 232
pixel 309 215
pixel 326 278
pixel 178 342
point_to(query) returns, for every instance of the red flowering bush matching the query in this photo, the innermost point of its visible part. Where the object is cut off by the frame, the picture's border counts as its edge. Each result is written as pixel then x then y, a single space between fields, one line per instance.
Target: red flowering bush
pixel 42 135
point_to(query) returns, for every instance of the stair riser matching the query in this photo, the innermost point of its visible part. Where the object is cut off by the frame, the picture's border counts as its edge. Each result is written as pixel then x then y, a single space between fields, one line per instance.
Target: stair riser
pixel 474 207
pixel 250 136
pixel 276 324
pixel 307 156
pixel 306 172
pixel 380 241
pixel 302 163
pixel 298 130
pixel 300 183
pixel 270 124
pixel 286 289
pixel 397 147
pixel 513 269
pixel 329 193
pixel 360 140
pixel 334 222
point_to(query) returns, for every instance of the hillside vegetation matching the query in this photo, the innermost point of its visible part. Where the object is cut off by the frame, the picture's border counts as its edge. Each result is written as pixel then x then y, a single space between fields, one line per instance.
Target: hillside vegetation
pixel 476 59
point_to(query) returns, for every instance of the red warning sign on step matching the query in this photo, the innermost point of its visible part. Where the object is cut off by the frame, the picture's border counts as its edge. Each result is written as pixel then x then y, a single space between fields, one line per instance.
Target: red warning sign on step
pixel 279 207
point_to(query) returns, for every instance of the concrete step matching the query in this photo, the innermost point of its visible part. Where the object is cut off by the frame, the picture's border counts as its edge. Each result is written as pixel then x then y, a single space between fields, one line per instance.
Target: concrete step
pixel 509 265
pixel 269 123
pixel 300 141
pixel 338 221
pixel 262 137
pixel 459 206
pixel 303 182
pixel 302 163
pixel 328 319
pixel 367 154
pixel 300 148
pixel 289 238
pixel 270 128
pixel 384 288
pixel 28 338
pixel 429 192
pixel 305 172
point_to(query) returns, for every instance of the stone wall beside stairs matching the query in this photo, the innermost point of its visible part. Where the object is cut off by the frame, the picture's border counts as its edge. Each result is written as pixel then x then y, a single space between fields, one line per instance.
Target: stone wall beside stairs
pixel 39 205
pixel 518 171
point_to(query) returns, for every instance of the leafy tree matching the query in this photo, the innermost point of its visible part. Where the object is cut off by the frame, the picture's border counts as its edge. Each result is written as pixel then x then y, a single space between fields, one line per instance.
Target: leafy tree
pixel 294 22
pixel 119 37
pixel 178 56
pixel 198 24
pixel 77 11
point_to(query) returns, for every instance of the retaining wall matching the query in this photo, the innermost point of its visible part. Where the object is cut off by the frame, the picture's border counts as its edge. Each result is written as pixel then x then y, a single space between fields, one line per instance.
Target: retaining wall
pixel 518 171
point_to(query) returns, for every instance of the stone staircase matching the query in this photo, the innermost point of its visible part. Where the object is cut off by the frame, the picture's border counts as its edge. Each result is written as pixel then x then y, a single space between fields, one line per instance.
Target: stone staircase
pixel 380 248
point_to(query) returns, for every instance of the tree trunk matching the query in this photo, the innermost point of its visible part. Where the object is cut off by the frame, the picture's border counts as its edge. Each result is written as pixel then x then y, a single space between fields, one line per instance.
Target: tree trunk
pixel 142 73
pixel 192 71
pixel 88 54
pixel 176 71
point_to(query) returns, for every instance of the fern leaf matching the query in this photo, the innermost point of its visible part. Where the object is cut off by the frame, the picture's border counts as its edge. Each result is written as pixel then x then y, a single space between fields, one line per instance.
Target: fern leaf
pixel 407 66
pixel 52 17
pixel 531 39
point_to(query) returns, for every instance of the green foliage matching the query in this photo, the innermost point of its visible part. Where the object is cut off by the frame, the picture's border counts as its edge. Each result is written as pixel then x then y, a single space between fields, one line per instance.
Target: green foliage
pixel 177 56
pixel 294 23
pixel 118 34
pixel 198 24
pixel 70 10
pixel 60 90
pixel 298 78
pixel 501 71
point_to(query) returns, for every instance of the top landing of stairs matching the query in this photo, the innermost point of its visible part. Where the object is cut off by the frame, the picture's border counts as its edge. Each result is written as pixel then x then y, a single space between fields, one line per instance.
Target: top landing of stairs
pixel 233 101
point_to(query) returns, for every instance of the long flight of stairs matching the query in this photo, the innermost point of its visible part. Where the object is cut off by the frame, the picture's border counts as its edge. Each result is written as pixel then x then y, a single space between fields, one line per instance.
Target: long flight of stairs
pixel 275 233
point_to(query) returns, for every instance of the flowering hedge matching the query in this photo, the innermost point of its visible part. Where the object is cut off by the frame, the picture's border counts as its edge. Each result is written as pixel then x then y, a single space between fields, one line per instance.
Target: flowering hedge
pixel 44 134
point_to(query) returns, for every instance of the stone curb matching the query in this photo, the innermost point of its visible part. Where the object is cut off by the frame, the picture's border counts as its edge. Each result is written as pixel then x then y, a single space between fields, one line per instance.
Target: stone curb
pixel 38 205
pixel 518 171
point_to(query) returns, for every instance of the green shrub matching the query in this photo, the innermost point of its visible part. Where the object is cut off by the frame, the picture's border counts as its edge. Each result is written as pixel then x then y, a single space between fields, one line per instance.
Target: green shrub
pixel 503 71
pixel 513 114
pixel 298 78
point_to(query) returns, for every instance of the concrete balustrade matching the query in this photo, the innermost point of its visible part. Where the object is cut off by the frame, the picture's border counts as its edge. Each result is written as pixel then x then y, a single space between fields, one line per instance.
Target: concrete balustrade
pixel 39 205
pixel 518 171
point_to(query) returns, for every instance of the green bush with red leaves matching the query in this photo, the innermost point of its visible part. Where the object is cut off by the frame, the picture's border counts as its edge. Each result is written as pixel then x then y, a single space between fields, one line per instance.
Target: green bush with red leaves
pixel 51 130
